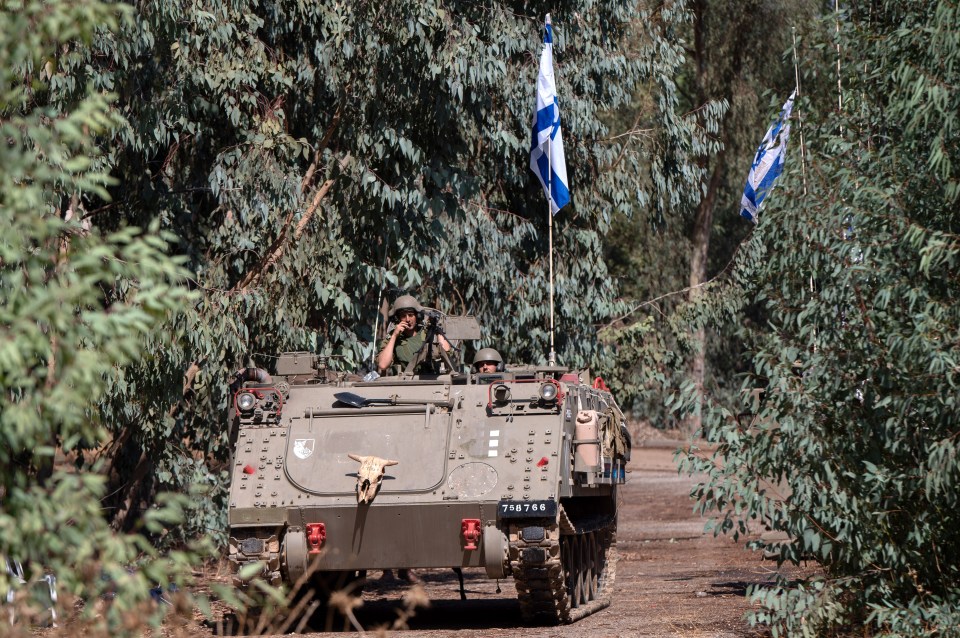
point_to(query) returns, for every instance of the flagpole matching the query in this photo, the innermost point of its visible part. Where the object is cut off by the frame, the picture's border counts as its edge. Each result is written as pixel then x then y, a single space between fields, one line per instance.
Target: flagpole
pixel 796 72
pixel 547 98
pixel 836 9
pixel 552 357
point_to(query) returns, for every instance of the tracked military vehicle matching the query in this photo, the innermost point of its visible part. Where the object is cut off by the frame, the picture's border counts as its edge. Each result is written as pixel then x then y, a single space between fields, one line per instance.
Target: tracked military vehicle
pixel 514 473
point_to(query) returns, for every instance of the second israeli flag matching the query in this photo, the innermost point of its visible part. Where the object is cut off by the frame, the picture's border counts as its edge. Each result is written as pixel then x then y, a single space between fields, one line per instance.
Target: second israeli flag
pixel 767 164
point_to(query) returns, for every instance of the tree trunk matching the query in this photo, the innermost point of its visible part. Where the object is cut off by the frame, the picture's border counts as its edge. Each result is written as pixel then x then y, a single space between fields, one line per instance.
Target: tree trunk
pixel 716 169
pixel 129 489
pixel 698 275
pixel 700 239
pixel 698 272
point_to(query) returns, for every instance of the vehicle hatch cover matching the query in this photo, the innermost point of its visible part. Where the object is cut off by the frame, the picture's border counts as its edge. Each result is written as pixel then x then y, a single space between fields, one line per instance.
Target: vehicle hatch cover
pixel 317 461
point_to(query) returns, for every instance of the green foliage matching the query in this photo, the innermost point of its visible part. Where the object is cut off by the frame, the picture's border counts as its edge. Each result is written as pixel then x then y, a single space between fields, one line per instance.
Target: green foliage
pixel 311 157
pixel 734 90
pixel 854 449
pixel 75 304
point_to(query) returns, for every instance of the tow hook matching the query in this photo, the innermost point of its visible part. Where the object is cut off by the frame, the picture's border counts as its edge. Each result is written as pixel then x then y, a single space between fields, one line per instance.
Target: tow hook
pixel 470 530
pixel 316 534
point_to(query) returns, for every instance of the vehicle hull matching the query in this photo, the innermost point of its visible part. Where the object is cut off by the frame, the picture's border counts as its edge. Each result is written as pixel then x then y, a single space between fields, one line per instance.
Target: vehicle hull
pixel 512 473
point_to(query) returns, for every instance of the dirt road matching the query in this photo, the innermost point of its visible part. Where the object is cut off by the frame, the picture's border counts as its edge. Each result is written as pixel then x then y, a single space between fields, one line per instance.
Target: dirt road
pixel 672 579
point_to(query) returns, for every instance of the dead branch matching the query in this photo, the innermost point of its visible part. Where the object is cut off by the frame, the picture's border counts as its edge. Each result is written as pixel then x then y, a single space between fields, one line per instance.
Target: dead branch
pixel 318 153
pixel 279 245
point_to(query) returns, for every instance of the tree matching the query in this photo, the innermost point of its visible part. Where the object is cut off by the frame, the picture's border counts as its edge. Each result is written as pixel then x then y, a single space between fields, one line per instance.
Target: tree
pixel 854 449
pixel 734 78
pixel 311 158
pixel 734 57
pixel 75 304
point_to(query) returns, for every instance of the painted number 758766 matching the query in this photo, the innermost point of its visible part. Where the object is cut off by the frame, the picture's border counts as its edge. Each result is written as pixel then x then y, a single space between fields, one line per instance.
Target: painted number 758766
pixel 513 509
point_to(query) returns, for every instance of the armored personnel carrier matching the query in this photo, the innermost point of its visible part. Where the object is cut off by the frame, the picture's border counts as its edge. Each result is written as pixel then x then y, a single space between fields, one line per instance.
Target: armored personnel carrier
pixel 514 473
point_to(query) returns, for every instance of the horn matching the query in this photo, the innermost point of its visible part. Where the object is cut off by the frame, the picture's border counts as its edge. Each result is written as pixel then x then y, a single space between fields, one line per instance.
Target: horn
pixel 355 457
pixel 386 463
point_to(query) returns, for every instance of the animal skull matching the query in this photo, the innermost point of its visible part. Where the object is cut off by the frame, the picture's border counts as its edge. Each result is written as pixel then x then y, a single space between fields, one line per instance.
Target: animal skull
pixel 369 476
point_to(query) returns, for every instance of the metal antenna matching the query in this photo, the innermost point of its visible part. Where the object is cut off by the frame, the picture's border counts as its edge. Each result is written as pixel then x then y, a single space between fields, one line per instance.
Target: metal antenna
pixel 376 322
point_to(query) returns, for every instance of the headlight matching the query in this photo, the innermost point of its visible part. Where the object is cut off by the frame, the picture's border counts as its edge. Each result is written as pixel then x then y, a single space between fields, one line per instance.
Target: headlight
pixel 548 392
pixel 246 401
pixel 501 393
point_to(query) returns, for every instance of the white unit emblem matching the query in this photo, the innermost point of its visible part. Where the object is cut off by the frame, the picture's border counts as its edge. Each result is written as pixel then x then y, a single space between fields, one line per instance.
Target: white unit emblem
pixel 303 448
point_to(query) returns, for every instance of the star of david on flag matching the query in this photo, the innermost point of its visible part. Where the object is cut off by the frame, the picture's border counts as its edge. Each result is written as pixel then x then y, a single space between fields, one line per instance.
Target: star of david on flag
pixel 546 144
pixel 768 163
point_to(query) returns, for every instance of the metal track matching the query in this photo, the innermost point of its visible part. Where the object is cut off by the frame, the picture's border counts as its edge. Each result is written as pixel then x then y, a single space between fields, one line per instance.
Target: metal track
pixel 563 571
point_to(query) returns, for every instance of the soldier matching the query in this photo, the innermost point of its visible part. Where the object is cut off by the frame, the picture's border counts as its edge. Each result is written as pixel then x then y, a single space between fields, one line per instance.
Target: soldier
pixel 487 360
pixel 407 338
pixel 402 574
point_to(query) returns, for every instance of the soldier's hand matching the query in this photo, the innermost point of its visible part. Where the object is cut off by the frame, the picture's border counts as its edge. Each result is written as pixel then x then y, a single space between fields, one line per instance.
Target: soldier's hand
pixel 404 325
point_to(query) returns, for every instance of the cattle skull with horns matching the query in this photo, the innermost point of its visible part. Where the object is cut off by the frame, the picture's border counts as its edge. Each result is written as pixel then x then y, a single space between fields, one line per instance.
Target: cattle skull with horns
pixel 370 475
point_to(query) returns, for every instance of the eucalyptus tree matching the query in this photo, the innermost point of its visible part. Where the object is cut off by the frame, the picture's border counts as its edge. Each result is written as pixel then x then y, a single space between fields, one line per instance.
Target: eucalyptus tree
pixel 853 448
pixel 738 56
pixel 737 70
pixel 310 157
pixel 75 304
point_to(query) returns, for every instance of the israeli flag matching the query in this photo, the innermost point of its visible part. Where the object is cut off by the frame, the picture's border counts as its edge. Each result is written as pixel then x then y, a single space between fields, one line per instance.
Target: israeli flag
pixel 546 145
pixel 768 164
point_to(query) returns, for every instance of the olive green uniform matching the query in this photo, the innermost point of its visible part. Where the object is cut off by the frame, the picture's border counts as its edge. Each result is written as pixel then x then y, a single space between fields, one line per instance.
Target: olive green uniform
pixel 405 349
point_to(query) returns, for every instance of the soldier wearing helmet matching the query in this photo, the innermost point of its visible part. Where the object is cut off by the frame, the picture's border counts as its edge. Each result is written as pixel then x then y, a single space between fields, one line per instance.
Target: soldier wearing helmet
pixel 487 360
pixel 407 338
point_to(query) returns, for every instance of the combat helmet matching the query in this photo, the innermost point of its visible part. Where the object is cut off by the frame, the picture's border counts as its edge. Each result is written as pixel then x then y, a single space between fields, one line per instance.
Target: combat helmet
pixel 405 302
pixel 487 354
